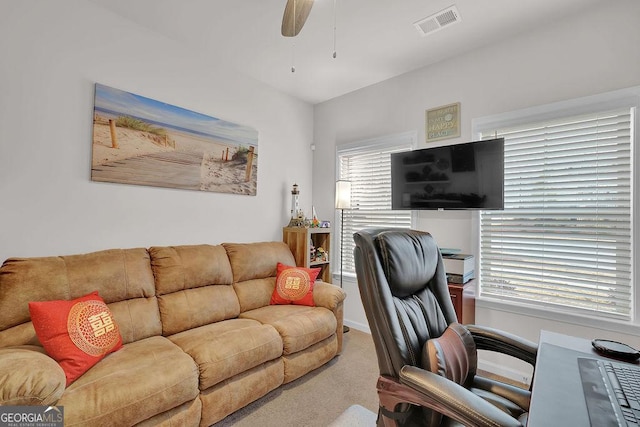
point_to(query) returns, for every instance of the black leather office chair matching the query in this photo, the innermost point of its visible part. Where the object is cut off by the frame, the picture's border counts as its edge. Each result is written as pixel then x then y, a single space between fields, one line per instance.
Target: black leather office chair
pixel 427 360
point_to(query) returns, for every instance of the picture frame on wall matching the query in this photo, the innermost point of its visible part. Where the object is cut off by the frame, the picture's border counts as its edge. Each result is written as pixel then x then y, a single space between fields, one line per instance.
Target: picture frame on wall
pixel 442 122
pixel 141 141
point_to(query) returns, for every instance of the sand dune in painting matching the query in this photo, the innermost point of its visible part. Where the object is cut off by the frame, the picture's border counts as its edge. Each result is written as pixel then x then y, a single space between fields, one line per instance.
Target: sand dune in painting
pixel 179 160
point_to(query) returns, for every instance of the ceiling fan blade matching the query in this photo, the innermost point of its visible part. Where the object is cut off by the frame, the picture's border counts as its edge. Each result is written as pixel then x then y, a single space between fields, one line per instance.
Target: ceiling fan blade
pixel 295 15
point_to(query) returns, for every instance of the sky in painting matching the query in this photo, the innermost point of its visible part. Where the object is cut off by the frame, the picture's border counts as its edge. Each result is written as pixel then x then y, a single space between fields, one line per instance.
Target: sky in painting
pixel 126 103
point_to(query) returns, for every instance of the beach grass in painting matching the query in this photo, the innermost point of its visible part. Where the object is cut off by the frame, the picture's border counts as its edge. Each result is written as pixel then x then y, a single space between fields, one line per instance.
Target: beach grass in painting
pixel 138 140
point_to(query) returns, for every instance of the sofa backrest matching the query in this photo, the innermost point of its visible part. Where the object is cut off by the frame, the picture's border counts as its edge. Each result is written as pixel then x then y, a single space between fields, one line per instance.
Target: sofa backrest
pixel 159 291
pixel 122 277
pixel 254 268
pixel 194 286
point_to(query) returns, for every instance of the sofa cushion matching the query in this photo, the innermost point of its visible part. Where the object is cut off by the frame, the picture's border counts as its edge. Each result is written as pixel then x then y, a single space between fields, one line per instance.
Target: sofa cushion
pixel 194 286
pixel 187 414
pixel 141 380
pixel 76 333
pixel 234 393
pixel 29 377
pixel 117 274
pixel 294 285
pixel 177 268
pixel 184 310
pixel 137 318
pixel 299 326
pixel 302 362
pixel 224 349
pixel 254 293
pixel 257 260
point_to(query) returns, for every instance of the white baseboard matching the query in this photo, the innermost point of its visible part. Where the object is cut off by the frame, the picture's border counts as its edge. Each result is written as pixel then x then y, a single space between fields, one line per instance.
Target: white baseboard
pixel 357 325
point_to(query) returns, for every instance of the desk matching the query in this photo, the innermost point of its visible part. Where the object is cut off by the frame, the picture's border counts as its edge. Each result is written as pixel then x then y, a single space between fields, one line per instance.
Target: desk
pixel 557 397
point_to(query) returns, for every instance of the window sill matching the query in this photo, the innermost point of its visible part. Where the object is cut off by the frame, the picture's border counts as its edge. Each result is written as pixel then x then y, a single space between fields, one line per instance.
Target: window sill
pixel 609 325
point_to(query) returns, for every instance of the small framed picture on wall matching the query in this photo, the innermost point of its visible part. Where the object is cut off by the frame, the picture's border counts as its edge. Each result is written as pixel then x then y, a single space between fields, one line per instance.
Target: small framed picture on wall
pixel 442 122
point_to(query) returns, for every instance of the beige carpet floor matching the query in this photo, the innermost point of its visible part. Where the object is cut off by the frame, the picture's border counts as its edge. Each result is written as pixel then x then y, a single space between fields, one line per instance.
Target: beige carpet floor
pixel 320 397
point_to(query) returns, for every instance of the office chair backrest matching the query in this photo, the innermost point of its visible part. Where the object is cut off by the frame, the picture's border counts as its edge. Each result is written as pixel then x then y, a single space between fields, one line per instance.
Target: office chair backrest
pixel 404 291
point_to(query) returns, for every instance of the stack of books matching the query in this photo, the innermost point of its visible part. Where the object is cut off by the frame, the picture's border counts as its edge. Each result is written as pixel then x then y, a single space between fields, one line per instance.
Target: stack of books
pixel 460 268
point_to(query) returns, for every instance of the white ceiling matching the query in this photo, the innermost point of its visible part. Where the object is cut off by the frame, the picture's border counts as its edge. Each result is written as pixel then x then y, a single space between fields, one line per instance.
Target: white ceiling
pixel 375 39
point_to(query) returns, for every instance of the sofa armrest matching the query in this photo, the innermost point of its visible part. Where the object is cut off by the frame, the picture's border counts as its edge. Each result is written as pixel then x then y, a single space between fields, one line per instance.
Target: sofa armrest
pixel 327 295
pixel 29 377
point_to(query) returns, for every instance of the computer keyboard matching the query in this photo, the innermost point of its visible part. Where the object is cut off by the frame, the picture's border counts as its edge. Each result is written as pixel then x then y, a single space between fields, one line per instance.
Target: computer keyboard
pixel 621 390
pixel 625 381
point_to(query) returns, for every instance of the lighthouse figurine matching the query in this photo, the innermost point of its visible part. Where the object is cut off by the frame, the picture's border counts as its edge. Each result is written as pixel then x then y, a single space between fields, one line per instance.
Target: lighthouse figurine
pixel 297 218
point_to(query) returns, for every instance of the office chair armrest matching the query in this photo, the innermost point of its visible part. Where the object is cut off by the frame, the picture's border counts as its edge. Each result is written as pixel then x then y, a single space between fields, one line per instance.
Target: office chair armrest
pixel 503 342
pixel 453 400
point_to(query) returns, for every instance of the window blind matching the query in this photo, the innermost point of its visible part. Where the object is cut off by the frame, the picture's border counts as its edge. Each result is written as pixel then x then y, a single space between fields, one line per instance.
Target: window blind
pixel 368 167
pixel 563 239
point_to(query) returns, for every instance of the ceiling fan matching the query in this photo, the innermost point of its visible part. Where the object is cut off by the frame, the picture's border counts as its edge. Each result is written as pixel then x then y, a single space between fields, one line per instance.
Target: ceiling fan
pixel 295 15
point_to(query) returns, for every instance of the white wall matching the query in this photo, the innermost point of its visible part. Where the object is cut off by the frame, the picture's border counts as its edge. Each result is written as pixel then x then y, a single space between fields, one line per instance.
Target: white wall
pixel 51 54
pixel 592 52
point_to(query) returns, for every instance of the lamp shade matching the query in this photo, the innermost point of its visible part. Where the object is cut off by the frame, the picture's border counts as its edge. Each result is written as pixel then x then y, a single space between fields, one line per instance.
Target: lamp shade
pixel 343 194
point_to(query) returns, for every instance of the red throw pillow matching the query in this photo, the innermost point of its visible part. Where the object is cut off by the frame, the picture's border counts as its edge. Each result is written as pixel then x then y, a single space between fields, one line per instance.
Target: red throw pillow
pixel 77 333
pixel 294 285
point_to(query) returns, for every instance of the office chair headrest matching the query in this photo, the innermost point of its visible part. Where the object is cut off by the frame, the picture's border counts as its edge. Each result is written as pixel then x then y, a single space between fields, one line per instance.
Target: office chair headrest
pixel 409 259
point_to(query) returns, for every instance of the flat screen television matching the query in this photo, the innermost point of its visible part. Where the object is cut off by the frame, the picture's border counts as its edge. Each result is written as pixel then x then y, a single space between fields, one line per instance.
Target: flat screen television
pixel 459 176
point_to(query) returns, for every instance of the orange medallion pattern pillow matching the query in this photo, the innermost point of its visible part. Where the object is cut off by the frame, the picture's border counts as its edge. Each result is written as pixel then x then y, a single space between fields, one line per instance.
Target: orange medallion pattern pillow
pixel 77 333
pixel 294 285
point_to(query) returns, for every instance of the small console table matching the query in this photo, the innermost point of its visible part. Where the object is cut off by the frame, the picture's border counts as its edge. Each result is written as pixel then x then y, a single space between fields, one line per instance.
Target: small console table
pixel 464 301
pixel 301 240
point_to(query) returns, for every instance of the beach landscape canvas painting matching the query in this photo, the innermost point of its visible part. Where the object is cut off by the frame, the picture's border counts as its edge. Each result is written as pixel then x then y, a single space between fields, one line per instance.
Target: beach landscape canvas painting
pixel 138 140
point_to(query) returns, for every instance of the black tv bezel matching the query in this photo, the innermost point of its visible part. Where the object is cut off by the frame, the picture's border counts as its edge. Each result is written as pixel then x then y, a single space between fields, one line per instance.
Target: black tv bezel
pixel 428 150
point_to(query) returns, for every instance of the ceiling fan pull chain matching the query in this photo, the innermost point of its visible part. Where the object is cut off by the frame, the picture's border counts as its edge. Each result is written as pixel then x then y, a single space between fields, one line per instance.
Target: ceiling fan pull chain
pixel 293 43
pixel 293 56
pixel 334 29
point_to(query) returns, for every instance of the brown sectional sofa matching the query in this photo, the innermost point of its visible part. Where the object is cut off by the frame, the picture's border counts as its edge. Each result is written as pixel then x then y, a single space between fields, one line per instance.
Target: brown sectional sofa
pixel 200 338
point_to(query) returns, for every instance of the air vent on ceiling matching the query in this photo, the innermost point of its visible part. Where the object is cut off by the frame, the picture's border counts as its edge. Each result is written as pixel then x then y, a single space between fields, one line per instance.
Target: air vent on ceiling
pixel 438 21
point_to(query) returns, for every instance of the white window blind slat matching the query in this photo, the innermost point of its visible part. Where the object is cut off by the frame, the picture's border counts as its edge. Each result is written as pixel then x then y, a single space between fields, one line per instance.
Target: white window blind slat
pixel 563 240
pixel 369 170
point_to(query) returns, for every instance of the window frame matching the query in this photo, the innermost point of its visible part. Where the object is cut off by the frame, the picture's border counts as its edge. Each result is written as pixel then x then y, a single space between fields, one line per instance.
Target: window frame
pixel 624 98
pixel 408 139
